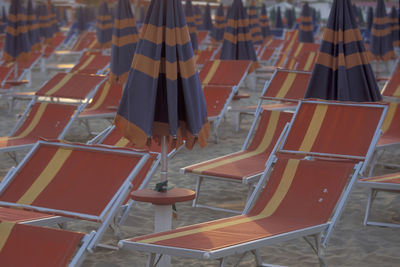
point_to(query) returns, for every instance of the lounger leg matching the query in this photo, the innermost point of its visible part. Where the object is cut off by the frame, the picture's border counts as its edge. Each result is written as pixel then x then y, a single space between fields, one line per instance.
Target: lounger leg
pixel 13 156
pixel 235 120
pixel 371 198
pixel 317 248
pixel 150 260
pixel 198 184
pixel 222 262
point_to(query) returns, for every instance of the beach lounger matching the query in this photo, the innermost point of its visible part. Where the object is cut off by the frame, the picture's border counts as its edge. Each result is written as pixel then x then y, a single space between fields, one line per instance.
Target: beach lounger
pixel 246 165
pixel 391 90
pixel 24 69
pixel 286 88
pixel 203 56
pixel 86 41
pixel 384 183
pixel 302 198
pixel 104 103
pixel 218 98
pixel 390 136
pixel 306 61
pixel 28 245
pixel 92 64
pixel 75 181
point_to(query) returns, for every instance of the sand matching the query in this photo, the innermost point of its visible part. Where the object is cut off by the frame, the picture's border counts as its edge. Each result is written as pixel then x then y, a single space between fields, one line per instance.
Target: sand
pixel 351 243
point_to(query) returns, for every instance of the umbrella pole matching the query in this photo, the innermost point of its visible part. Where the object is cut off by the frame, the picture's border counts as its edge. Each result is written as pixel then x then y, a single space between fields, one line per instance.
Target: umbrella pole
pixel 164 159
pixel 15 70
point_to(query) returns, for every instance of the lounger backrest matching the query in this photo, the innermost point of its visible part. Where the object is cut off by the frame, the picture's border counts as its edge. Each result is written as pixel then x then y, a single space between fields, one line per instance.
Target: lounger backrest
pixel 297 50
pixel 392 87
pixel 69 85
pixel 40 246
pixel 72 180
pixel 304 191
pixel 107 96
pixel 4 73
pixel 216 98
pixel 224 72
pixel 91 64
pixel 335 129
pixel 286 84
pixel 86 40
pixel 271 124
pixel 47 120
pixel 306 61
pixel 391 125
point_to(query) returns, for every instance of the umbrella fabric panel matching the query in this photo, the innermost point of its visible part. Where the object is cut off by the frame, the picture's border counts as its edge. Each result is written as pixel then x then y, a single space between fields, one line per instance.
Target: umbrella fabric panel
pixel 191 23
pixel 218 30
pixel 104 26
pixel 306 26
pixel 254 24
pixel 163 95
pixel 264 22
pixel 33 28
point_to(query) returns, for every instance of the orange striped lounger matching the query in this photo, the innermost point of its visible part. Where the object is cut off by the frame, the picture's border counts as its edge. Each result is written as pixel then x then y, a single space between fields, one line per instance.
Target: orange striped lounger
pixel 384 183
pixel 92 64
pixel 27 245
pixel 74 181
pixel 299 200
pixel 246 165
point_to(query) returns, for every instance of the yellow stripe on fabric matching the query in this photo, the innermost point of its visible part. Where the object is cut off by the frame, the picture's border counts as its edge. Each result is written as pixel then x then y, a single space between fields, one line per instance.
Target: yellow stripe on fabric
pixel 122 142
pixel 314 127
pixel 46 176
pixel 389 117
pixel 60 84
pixel 34 121
pixel 5 230
pixel 298 49
pixel 211 72
pixel 310 60
pixel 265 142
pixel 397 92
pixel 270 208
pixel 287 84
pixel 102 97
pixel 87 62
pixel 92 44
pixel 381 179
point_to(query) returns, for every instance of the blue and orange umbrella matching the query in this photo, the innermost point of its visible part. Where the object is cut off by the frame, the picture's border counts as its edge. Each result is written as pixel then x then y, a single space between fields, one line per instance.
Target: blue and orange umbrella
pixel 218 30
pixel 367 32
pixel 342 70
pixel 190 20
pixel 16 46
pixel 198 18
pixel 207 21
pixel 45 28
pixel 289 18
pixel 381 46
pixel 163 99
pixel 104 26
pixel 395 27
pixel 124 40
pixel 306 28
pixel 264 22
pixel 254 24
pixel 33 28
pixel 81 23
pixel 278 18
pixel 4 19
pixel 53 19
pixel 237 44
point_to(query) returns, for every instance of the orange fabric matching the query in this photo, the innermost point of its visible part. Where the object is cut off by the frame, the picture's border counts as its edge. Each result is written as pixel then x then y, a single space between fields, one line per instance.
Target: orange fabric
pixel 216 97
pixel 85 39
pixel 229 72
pixel 105 101
pixel 91 64
pixel 57 40
pixel 306 61
pixel 45 120
pixel 250 161
pixel 393 178
pixel 84 182
pixel 299 194
pixel 40 246
pixel 76 86
pixel 267 54
pixel 203 56
pixel 391 126
pixel 201 36
pixel 345 130
pixel 392 87
pixel 288 85
pixel 18 215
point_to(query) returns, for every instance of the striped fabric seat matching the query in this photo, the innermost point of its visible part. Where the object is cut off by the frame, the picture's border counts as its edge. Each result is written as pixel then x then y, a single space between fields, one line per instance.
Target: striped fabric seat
pixel 306 61
pixel 298 200
pixel 391 126
pixel 224 72
pixel 384 183
pixel 92 64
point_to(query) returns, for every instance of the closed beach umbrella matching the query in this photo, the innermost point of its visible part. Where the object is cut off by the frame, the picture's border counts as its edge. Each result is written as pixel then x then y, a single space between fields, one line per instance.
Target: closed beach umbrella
pixel 278 18
pixel 218 30
pixel 16 46
pixel 33 28
pixel 306 27
pixel 289 18
pixel 237 44
pixel 367 32
pixel 254 24
pixel 45 28
pixel 81 21
pixel 207 21
pixel 104 26
pixel 124 40
pixel 190 20
pixel 65 16
pixel 198 18
pixel 395 27
pixel 381 46
pixel 3 20
pixel 163 99
pixel 342 71
pixel 264 22
pixel 53 19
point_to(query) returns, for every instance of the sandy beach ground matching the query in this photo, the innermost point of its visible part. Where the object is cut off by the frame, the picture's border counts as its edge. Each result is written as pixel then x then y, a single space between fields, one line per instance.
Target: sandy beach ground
pixel 351 244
